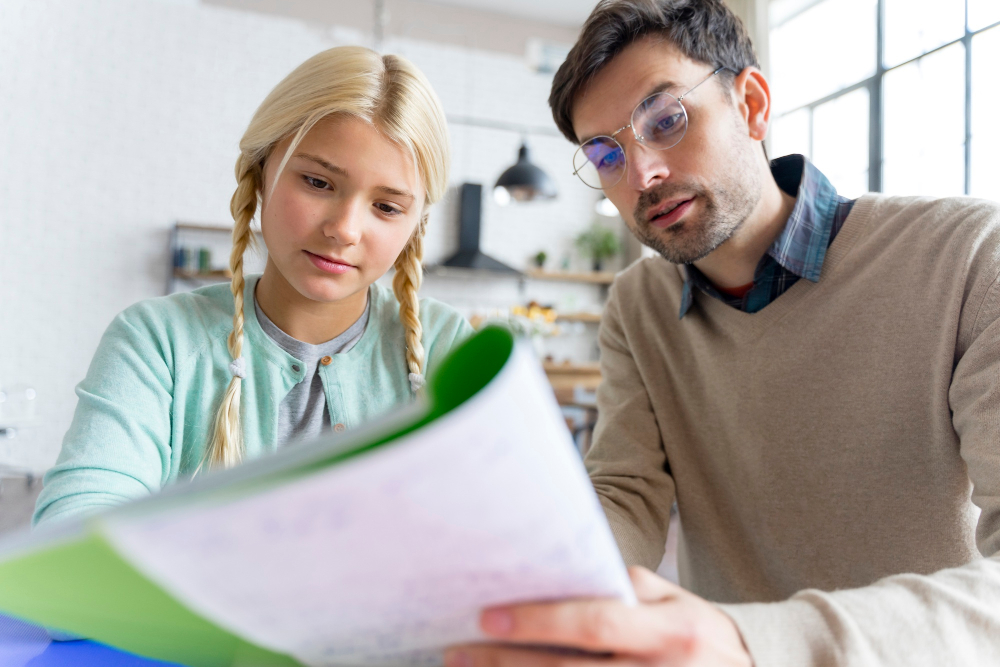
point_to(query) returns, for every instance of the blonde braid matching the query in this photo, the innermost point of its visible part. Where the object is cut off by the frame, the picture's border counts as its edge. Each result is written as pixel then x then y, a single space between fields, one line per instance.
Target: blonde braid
pixel 406 282
pixel 226 447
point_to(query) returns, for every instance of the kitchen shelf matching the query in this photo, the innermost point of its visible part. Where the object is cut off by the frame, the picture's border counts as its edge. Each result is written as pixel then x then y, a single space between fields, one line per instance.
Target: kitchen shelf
pixel 589 318
pixel 593 277
pixel 197 231
pixel 220 274
pixel 198 227
pixel 588 368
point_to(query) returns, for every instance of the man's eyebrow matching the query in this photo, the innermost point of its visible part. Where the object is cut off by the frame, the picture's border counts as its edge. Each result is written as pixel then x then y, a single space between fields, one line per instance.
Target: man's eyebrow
pixel 658 88
pixel 662 87
pixel 340 171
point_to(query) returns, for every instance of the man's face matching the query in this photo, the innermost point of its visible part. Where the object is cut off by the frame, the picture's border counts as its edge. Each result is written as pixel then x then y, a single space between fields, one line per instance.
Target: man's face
pixel 687 200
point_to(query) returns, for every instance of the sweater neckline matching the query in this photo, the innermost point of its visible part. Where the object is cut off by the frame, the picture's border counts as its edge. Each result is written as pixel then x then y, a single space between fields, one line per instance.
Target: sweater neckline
pixel 262 345
pixel 754 324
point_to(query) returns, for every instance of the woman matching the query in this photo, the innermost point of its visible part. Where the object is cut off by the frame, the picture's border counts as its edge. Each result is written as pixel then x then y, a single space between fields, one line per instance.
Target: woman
pixel 343 160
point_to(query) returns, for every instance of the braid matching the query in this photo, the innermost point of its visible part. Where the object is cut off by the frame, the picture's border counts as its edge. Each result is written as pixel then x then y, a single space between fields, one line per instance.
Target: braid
pixel 226 446
pixel 406 282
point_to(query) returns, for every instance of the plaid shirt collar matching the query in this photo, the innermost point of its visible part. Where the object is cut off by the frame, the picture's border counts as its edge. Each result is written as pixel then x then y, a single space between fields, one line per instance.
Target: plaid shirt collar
pixel 802 245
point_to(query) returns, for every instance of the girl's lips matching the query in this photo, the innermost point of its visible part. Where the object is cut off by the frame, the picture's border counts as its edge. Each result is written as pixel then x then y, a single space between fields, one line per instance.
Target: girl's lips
pixel 668 219
pixel 328 265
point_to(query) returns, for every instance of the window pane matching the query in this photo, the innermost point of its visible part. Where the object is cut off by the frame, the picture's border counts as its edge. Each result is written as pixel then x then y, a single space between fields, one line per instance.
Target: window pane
pixel 985 104
pixel 983 13
pixel 840 142
pixel 809 59
pixel 925 126
pixel 790 134
pixel 913 27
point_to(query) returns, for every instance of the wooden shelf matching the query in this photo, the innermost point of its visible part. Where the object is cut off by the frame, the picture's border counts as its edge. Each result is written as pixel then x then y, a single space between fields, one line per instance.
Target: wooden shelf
pixel 590 318
pixel 567 379
pixel 221 274
pixel 198 227
pixel 572 369
pixel 593 277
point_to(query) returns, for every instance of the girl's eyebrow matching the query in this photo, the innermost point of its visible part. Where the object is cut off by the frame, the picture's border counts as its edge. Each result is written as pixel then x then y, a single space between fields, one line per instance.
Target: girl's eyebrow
pixel 332 168
pixel 340 171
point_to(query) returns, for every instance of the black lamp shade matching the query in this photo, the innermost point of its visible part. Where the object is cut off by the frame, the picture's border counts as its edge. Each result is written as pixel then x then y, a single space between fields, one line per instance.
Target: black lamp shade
pixel 526 182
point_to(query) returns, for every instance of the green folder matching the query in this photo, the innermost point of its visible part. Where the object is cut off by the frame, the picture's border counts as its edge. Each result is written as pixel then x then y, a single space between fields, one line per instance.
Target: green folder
pixel 69 577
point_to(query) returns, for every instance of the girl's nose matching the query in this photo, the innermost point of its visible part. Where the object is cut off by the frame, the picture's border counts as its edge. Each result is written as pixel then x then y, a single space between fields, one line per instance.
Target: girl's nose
pixel 344 223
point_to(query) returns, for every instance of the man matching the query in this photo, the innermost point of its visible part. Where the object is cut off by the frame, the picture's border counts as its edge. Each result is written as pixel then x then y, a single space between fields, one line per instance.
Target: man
pixel 814 380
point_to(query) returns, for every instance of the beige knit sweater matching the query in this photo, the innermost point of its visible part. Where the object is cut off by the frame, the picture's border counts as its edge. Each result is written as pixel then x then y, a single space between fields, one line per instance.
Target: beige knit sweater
pixel 829 454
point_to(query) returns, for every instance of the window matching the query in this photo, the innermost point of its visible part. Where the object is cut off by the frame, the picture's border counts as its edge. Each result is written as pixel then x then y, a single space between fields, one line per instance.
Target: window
pixel 891 96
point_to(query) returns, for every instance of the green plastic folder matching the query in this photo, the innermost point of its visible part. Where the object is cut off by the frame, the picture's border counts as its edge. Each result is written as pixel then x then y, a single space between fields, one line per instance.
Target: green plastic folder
pixel 71 578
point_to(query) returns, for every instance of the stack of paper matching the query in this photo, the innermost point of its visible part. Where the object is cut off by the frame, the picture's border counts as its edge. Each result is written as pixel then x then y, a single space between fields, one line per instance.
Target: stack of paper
pixel 376 549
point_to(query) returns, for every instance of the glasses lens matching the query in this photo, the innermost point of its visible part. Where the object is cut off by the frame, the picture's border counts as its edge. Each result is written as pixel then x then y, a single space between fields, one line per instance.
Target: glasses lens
pixel 600 162
pixel 660 121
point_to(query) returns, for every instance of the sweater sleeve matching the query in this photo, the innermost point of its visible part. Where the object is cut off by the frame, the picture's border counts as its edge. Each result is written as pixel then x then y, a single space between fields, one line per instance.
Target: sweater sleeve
pixel 118 444
pixel 446 329
pixel 950 617
pixel 627 463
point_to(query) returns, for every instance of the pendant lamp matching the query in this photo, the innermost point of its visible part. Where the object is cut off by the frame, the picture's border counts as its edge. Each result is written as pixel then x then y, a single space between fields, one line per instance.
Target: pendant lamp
pixel 524 181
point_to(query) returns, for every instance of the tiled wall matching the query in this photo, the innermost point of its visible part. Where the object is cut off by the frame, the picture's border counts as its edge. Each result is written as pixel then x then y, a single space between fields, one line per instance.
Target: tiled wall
pixel 120 117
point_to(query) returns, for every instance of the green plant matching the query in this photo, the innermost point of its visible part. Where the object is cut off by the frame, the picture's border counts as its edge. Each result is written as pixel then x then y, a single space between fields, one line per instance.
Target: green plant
pixel 599 243
pixel 540 258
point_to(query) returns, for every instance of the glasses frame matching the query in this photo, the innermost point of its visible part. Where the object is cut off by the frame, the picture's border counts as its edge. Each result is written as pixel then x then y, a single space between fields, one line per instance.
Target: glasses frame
pixel 638 137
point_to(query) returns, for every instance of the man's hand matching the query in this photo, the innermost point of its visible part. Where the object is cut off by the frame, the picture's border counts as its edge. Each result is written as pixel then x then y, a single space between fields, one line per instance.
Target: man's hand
pixel 669 626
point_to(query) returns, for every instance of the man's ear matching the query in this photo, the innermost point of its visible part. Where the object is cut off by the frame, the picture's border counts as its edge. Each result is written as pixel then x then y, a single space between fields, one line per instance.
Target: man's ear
pixel 753 101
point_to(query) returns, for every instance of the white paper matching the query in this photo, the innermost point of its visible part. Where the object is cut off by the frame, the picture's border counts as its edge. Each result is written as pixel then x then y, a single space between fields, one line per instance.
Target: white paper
pixel 388 558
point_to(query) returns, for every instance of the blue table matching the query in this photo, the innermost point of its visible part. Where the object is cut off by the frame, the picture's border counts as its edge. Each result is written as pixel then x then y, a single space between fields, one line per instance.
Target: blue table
pixel 26 645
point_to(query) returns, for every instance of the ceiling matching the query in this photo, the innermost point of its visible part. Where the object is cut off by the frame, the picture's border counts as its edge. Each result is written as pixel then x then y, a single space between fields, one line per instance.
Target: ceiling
pixel 570 13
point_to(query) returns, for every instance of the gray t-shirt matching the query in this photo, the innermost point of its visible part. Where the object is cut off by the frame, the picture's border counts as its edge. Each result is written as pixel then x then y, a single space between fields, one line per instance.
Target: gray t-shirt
pixel 303 413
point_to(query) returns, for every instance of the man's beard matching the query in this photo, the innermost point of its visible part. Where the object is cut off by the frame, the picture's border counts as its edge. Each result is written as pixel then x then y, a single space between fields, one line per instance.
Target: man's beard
pixel 723 211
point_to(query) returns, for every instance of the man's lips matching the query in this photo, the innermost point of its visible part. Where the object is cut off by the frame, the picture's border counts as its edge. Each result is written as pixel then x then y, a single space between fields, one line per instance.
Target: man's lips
pixel 329 265
pixel 669 212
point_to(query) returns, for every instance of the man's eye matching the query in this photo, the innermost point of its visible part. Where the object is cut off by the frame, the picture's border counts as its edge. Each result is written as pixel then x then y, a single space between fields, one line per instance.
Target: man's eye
pixel 667 123
pixel 317 183
pixel 609 160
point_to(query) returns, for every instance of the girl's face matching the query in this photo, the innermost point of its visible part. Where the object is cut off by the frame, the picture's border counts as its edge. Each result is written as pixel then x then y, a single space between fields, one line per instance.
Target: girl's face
pixel 341 211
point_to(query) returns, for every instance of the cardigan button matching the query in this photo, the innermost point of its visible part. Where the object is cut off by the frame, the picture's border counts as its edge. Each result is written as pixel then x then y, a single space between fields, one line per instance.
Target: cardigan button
pixel 326 361
pixel 339 428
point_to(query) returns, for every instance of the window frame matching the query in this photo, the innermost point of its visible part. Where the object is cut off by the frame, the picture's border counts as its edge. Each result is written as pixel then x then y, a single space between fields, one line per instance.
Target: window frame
pixel 875 86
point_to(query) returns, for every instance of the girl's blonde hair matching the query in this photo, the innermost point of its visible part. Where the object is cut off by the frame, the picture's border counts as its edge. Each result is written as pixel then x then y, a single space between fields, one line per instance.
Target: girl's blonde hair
pixel 395 97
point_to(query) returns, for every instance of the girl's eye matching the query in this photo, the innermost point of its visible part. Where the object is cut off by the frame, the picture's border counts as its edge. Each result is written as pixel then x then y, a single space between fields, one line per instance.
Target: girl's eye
pixel 387 209
pixel 317 183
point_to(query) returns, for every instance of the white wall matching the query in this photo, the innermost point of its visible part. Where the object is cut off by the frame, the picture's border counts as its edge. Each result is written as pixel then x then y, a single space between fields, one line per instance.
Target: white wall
pixel 120 117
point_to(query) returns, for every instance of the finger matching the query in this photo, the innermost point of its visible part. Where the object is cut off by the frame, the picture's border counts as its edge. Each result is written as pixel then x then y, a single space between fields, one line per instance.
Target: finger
pixel 592 625
pixel 650 587
pixel 487 655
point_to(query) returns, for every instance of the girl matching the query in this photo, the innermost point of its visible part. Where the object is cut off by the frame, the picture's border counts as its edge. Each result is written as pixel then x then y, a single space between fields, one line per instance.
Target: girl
pixel 343 160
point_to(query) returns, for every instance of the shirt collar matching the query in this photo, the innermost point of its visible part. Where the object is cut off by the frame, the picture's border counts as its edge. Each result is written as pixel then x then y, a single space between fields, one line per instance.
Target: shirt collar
pixel 801 247
pixel 802 244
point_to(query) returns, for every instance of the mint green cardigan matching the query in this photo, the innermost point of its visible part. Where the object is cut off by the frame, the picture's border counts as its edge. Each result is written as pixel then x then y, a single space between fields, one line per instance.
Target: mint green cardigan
pixel 148 403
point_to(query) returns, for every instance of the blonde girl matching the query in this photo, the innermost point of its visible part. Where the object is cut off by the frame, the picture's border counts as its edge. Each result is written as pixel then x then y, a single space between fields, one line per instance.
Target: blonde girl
pixel 341 162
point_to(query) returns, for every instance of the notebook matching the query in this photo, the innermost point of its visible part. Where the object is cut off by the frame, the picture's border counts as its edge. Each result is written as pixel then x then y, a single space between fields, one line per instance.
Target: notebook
pixel 378 547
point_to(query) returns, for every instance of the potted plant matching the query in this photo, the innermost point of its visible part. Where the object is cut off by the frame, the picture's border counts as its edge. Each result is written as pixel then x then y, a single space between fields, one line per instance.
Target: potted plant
pixel 539 259
pixel 599 243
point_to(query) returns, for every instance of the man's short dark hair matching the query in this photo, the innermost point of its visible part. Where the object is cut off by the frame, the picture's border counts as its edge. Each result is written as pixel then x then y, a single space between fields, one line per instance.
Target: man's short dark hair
pixel 704 30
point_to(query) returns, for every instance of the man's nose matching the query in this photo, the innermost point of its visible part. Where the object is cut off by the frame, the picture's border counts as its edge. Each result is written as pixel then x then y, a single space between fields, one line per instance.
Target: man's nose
pixel 644 166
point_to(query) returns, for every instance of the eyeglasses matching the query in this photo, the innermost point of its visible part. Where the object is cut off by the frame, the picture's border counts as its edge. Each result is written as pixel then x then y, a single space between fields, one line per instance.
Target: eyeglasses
pixel 658 122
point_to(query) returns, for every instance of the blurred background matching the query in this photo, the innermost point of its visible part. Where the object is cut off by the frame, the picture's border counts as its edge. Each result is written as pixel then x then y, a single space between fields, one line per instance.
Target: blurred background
pixel 119 123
